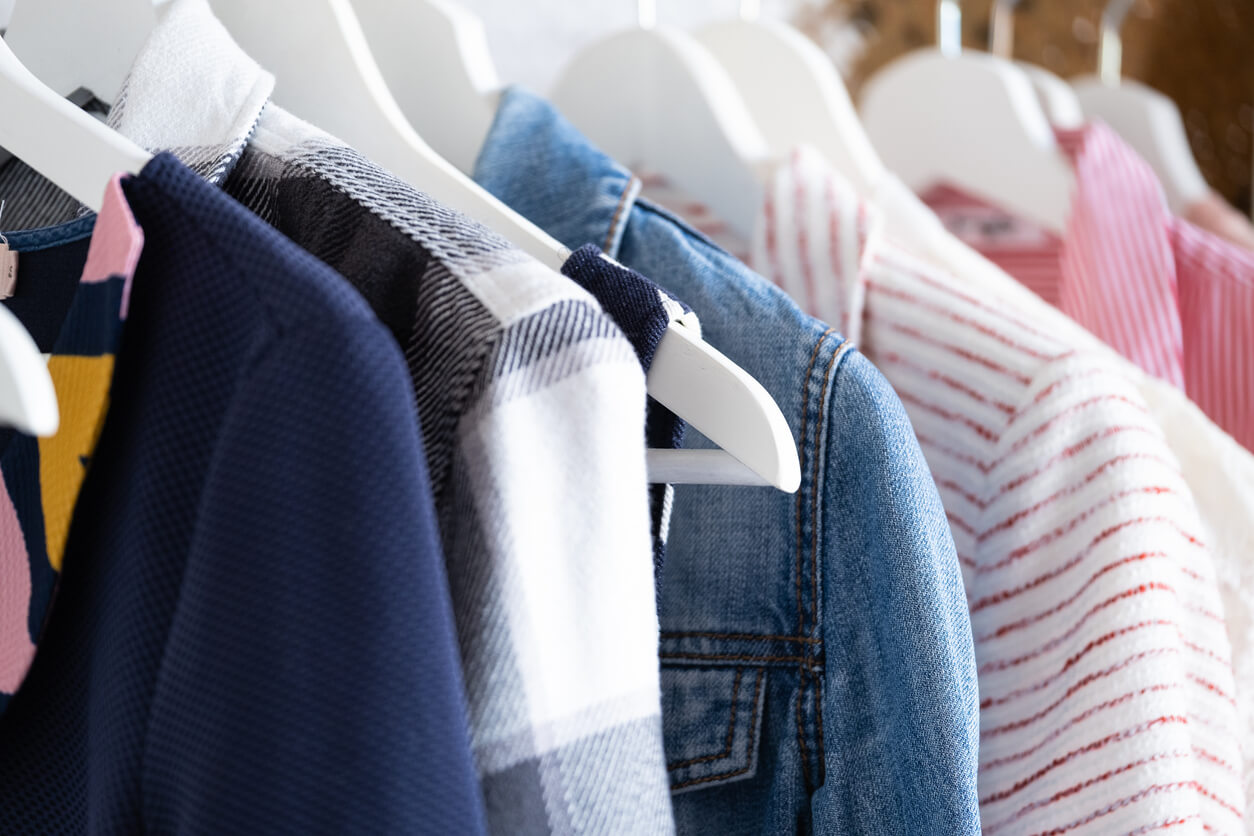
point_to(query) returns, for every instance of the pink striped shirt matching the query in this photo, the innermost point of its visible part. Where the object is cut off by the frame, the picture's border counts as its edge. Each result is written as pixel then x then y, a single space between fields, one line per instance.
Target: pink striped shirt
pixel 1176 300
pixel 1104 668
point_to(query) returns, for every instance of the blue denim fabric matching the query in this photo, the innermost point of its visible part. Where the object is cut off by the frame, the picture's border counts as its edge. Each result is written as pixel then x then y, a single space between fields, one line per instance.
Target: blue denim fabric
pixel 818 673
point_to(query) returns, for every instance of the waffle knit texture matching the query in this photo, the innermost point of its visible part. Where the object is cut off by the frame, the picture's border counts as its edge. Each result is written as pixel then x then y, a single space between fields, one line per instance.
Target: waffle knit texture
pixel 252 558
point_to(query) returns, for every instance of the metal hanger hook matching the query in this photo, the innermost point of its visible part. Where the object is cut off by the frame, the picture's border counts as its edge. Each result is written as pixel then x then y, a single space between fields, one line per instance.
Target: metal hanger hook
pixel 949 27
pixel 646 13
pixel 750 10
pixel 1001 39
pixel 1110 52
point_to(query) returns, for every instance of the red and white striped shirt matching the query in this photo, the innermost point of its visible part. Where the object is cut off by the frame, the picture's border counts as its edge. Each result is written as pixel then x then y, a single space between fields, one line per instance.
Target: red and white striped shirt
pixel 1104 669
pixel 1176 300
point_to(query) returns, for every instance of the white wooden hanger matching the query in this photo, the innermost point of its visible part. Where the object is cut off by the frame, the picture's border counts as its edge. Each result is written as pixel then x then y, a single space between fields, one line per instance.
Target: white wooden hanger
pixel 728 406
pixel 435 60
pixel 57 139
pixel 28 400
pixel 764 58
pixel 69 44
pixel 326 73
pixel 793 93
pixel 1146 119
pixel 970 119
pixel 80 155
pixel 1055 95
pixel 653 95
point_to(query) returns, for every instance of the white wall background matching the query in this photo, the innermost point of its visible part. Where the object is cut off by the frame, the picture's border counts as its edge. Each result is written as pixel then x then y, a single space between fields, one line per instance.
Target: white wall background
pixel 532 39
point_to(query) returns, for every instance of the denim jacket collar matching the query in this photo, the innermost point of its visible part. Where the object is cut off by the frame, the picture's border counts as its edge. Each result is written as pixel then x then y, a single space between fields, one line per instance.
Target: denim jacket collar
pixel 573 172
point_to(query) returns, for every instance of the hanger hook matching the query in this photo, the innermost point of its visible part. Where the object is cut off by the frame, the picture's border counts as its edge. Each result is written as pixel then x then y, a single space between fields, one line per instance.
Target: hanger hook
pixel 646 13
pixel 949 27
pixel 1001 41
pixel 750 10
pixel 1110 53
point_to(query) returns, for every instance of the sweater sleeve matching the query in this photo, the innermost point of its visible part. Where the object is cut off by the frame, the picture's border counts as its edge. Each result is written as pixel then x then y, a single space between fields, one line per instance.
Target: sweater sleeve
pixel 311 682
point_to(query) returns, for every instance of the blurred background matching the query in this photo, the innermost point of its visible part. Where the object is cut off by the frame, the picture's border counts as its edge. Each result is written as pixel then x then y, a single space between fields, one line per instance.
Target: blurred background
pixel 1198 52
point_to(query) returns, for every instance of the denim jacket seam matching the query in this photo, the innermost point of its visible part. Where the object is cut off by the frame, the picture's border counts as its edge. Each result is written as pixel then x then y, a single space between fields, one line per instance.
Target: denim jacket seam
pixel 806 674
pixel 804 661
pixel 804 452
pixel 835 363
pixel 702 634
pixel 800 505
pixel 627 203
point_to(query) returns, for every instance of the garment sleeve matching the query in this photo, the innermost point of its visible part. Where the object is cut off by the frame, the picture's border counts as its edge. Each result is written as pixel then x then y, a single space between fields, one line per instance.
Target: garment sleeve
pixel 549 561
pixel 1098 622
pixel 900 673
pixel 311 681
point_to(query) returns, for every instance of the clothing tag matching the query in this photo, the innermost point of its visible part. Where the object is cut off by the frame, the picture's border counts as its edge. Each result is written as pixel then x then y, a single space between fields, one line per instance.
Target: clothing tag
pixel 8 270
pixel 8 265
pixel 987 228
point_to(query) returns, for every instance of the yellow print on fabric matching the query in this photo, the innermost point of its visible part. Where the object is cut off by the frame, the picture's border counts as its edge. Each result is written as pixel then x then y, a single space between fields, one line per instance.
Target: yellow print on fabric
pixel 82 385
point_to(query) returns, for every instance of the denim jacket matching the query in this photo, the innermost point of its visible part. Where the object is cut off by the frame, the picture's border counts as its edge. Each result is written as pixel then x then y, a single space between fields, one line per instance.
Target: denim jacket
pixel 817 665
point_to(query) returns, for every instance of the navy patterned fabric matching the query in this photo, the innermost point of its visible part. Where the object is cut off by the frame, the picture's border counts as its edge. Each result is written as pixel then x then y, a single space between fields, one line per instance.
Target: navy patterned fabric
pixel 253 631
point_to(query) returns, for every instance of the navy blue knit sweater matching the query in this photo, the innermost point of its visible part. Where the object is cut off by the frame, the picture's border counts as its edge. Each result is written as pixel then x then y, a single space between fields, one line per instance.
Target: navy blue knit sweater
pixel 252 632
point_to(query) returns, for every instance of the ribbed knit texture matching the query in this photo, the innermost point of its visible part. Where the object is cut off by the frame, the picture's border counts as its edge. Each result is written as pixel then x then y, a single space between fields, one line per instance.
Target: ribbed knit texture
pixel 253 633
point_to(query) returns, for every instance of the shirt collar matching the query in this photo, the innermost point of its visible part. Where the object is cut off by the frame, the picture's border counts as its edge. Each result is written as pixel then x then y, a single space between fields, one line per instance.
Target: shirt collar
pixel 192 91
pixel 540 165
pixel 816 238
pixel 1105 165
pixel 1119 247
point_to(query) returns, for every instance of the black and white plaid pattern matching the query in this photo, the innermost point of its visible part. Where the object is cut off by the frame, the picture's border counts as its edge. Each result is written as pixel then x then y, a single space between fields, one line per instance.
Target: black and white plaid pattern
pixel 531 403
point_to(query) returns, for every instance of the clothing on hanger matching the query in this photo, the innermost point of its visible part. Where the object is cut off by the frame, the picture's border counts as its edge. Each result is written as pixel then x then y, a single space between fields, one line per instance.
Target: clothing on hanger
pixel 210 661
pixel 1217 469
pixel 345 526
pixel 532 405
pixel 1071 521
pixel 815 649
pixel 792 240
pixel 1174 299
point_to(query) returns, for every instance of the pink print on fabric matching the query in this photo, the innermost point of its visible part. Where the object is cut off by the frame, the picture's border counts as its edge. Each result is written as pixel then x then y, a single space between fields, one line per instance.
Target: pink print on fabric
pixel 16 648
pixel 116 242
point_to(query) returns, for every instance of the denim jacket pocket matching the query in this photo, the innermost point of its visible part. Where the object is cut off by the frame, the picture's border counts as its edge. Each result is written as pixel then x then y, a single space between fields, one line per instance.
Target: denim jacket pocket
pixel 712 719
